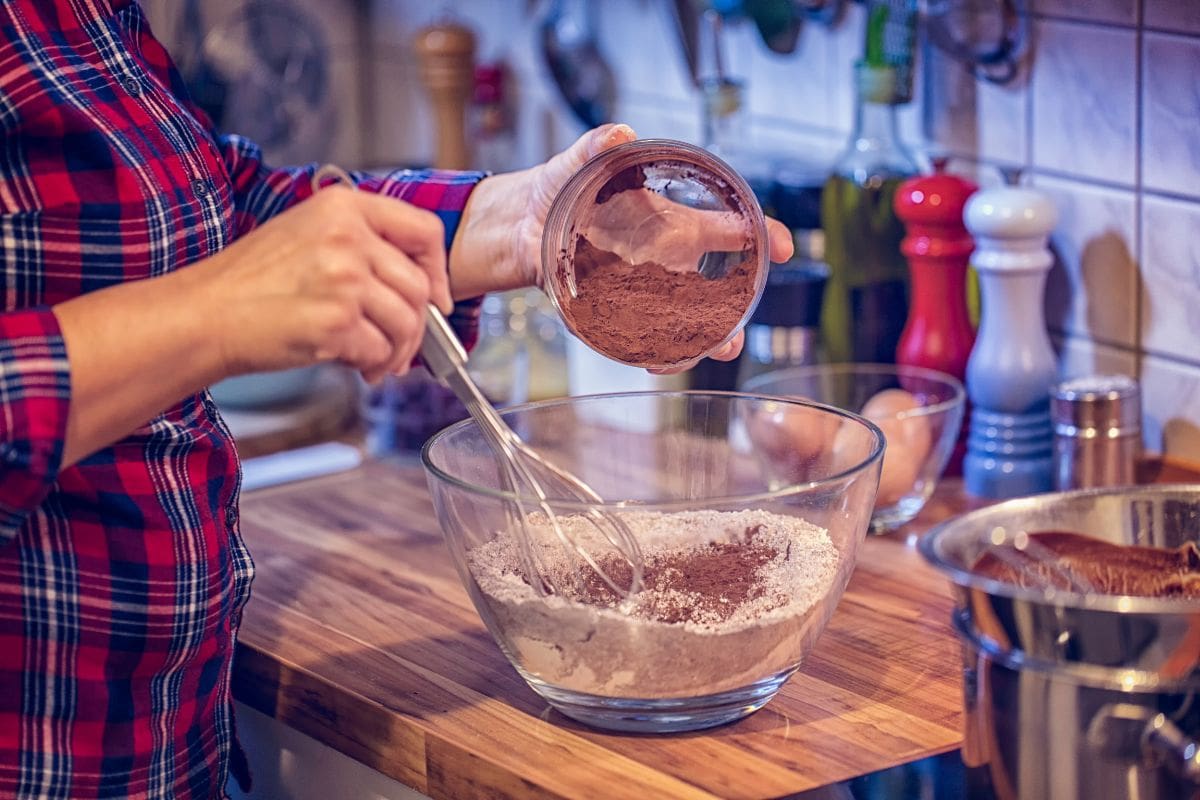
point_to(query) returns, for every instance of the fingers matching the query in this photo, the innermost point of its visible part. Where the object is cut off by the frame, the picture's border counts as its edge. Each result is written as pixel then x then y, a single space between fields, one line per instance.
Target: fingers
pixel 366 348
pixel 400 322
pixel 782 245
pixel 586 147
pixel 727 353
pixel 731 350
pixel 721 231
pixel 417 233
pixel 607 137
pixel 396 301
pixel 726 231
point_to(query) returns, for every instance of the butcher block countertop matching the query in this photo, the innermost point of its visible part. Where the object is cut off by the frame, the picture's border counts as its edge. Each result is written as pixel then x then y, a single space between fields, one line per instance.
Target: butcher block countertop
pixel 360 635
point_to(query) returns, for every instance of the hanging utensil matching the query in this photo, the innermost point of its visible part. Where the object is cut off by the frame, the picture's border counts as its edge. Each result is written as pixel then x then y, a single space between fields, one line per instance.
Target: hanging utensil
pixel 576 64
pixel 989 37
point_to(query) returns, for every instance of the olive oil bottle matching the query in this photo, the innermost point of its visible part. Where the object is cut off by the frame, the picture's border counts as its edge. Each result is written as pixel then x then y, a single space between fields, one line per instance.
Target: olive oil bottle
pixel 866 297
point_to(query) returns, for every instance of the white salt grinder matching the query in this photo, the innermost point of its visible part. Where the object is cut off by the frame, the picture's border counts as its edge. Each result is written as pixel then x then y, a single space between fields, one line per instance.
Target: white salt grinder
pixel 1012 365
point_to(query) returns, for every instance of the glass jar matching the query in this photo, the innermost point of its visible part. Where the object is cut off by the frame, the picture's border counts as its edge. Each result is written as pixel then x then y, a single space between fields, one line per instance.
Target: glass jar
pixel 655 253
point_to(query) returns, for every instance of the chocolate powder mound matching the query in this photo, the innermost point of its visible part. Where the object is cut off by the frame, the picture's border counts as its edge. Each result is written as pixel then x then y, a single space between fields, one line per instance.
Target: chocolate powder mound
pixel 647 314
pixel 706 583
pixel 1110 568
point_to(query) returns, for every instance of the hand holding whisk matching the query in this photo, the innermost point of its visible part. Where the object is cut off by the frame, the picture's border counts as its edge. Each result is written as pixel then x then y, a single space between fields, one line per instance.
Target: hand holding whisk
pixel 534 482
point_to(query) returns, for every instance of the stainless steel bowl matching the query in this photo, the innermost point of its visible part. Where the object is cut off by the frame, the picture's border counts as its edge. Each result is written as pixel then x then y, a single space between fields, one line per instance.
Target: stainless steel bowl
pixel 1070 695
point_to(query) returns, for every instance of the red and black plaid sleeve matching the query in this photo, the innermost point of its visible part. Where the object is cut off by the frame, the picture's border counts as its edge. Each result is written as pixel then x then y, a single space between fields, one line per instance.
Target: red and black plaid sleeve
pixel 35 392
pixel 123 576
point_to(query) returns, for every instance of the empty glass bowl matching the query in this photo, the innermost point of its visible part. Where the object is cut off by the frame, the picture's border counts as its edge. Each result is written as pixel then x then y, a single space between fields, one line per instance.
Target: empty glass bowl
pixel 747 549
pixel 920 411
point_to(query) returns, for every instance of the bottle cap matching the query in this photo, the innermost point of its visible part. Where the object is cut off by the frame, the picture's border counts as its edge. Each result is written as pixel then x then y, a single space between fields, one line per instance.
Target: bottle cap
pixel 1105 403
pixel 937 199
pixel 1010 212
pixel 489 84
pixel 878 84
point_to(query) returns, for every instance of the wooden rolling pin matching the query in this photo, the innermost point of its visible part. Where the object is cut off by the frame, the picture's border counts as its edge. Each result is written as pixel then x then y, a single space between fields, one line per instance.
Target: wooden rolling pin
pixel 446 52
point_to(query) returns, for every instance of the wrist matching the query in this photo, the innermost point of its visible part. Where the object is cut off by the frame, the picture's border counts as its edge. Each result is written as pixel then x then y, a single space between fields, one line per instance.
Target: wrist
pixel 212 315
pixel 488 253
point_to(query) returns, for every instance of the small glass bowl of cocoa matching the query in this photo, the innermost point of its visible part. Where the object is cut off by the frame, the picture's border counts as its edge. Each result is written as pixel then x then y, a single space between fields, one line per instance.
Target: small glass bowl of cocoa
pixel 919 410
pixel 655 253
pixel 745 552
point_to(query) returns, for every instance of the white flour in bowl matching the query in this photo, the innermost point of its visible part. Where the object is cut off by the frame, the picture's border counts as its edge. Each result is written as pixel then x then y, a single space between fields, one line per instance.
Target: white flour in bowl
pixel 730 598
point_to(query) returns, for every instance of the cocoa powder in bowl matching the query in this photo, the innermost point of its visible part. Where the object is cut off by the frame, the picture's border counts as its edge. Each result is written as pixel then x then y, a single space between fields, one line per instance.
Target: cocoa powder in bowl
pixel 644 313
pixel 628 244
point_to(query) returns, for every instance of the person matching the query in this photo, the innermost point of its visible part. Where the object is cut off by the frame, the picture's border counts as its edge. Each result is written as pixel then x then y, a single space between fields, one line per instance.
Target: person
pixel 145 258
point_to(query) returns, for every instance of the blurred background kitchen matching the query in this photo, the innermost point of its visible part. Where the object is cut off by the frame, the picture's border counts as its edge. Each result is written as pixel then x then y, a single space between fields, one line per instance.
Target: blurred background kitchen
pixel 1095 102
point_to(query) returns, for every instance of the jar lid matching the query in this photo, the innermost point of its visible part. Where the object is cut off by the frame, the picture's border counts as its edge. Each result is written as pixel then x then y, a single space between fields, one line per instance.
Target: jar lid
pixel 1104 402
pixel 655 253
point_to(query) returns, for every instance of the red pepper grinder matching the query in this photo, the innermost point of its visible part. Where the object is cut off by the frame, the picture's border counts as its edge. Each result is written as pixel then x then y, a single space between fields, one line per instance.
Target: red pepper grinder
pixel 938 334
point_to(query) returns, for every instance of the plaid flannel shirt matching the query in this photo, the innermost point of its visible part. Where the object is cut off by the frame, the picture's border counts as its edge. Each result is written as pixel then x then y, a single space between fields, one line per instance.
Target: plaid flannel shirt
pixel 122 577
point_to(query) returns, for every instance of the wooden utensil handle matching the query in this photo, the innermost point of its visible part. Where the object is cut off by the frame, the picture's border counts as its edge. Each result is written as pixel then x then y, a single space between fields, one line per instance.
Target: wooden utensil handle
pixel 446 52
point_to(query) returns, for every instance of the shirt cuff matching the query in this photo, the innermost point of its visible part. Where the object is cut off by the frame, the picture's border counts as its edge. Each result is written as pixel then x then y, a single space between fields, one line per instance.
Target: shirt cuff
pixel 445 193
pixel 35 398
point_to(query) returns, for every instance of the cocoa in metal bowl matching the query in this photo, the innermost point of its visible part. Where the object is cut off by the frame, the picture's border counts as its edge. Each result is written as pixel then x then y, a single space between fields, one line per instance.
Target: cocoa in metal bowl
pixel 1075 695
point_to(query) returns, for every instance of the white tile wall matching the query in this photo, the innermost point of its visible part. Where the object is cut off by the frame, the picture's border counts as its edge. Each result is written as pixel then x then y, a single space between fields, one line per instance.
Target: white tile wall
pixel 1171 274
pixel 1171 401
pixel 1077 126
pixel 1181 16
pixel 1117 12
pixel 1079 356
pixel 1088 292
pixel 976 118
pixel 1170 110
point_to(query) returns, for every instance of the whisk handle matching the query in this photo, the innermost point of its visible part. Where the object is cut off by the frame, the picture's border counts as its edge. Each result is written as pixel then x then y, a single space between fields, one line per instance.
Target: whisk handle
pixel 441 350
pixel 446 360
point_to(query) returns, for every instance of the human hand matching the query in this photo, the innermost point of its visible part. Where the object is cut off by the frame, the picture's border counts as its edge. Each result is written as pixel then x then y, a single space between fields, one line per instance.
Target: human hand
pixel 670 234
pixel 498 245
pixel 779 240
pixel 343 276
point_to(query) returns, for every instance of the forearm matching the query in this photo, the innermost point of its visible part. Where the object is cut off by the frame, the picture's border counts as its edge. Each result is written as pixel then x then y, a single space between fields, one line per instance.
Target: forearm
pixel 488 239
pixel 135 349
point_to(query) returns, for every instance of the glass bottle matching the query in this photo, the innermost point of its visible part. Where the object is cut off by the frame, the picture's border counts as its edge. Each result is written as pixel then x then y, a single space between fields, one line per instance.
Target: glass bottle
pixel 724 134
pixel 784 330
pixel 490 121
pixel 866 298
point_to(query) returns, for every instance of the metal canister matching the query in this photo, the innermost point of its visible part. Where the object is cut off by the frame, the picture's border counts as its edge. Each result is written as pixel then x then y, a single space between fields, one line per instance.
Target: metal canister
pixel 1097 431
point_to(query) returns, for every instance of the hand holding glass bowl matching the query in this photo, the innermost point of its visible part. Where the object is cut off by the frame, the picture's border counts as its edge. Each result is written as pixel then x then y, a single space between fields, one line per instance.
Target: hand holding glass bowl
pixel 919 410
pixel 655 253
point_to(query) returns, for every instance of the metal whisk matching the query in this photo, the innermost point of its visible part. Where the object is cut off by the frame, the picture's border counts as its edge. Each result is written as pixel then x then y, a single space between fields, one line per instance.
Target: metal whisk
pixel 527 474
pixel 523 471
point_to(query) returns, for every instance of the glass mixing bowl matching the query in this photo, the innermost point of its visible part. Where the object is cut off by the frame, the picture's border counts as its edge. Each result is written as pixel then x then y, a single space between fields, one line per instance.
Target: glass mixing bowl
pixel 747 548
pixel 921 428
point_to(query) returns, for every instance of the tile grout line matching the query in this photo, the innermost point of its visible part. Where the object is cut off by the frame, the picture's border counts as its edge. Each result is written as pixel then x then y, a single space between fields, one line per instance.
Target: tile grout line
pixel 1139 234
pixel 1031 65
pixel 1124 26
